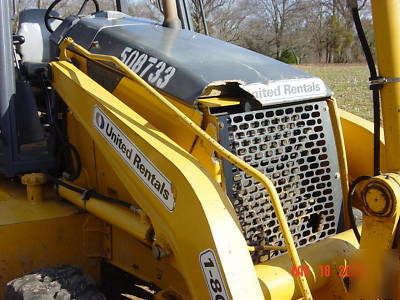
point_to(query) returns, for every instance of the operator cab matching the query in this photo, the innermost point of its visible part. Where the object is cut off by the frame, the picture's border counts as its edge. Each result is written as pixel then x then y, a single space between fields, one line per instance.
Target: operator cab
pixel 28 129
pixel 35 26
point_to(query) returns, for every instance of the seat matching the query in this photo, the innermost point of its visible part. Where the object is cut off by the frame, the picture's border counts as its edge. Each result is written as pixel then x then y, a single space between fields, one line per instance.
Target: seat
pixel 35 51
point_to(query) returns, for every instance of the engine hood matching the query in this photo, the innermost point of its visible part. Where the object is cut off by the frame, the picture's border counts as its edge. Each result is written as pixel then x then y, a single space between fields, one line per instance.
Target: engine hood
pixel 186 64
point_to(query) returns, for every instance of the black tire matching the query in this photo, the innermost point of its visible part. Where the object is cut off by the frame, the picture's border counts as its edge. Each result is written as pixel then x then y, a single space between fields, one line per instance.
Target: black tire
pixel 61 283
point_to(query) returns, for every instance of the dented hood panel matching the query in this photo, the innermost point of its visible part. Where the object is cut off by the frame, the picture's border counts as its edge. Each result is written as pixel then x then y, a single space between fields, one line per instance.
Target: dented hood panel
pixel 180 62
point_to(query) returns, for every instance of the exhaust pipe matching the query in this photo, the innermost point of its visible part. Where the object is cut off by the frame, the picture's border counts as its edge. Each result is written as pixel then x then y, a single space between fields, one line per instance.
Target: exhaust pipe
pixel 171 19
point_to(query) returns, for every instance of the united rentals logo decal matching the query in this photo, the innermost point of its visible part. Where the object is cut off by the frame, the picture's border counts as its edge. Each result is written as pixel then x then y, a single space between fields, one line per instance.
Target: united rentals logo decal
pixel 293 89
pixel 155 180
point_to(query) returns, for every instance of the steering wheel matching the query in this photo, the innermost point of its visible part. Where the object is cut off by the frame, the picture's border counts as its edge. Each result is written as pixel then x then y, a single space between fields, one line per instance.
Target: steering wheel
pixel 48 16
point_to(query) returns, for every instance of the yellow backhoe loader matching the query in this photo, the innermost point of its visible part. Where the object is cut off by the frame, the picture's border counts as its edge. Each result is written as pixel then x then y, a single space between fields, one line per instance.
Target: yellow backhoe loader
pixel 139 157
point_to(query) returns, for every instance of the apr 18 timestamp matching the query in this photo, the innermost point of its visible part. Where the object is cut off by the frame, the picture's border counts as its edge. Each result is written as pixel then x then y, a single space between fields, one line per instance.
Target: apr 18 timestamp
pixel 327 271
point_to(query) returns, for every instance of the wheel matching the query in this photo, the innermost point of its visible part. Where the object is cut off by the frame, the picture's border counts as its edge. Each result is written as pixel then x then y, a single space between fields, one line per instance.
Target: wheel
pixel 48 16
pixel 62 283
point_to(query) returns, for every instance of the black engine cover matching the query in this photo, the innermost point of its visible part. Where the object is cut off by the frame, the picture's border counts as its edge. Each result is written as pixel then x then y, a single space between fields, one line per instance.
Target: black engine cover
pixel 180 62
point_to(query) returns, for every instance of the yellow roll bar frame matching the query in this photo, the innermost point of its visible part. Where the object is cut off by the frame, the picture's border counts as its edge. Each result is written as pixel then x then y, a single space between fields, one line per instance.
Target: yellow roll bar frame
pixel 264 180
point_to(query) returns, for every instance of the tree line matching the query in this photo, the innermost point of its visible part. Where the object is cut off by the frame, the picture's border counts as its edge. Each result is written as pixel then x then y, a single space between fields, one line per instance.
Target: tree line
pixel 294 31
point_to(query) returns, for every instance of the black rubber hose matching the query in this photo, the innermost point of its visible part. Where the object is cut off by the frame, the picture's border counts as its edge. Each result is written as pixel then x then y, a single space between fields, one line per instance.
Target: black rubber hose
pixel 377 131
pixel 350 198
pixel 364 43
pixel 73 173
pixel 375 89
pixel 65 145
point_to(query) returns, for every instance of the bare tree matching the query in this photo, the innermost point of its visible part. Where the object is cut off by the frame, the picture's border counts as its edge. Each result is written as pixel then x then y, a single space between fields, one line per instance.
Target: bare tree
pixel 210 6
pixel 223 17
pixel 277 14
pixel 311 30
pixel 228 25
pixel 149 9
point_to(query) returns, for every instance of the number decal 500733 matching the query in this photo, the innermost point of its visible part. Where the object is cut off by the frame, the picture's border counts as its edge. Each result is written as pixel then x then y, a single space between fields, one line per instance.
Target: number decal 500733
pixel 212 275
pixel 151 69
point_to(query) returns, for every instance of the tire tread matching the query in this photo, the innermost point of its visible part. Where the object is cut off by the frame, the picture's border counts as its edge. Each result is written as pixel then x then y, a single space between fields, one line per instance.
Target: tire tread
pixel 63 282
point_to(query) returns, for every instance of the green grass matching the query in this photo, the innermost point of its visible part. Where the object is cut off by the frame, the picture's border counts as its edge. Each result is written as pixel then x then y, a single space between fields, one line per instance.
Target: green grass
pixel 349 82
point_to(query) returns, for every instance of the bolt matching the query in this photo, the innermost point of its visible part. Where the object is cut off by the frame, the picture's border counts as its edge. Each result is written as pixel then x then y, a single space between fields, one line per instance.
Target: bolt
pixel 337 175
pixel 95 44
pixel 158 252
pixel 377 200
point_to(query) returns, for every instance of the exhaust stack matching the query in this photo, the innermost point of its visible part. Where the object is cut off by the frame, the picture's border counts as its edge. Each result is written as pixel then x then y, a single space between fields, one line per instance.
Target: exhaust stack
pixel 171 18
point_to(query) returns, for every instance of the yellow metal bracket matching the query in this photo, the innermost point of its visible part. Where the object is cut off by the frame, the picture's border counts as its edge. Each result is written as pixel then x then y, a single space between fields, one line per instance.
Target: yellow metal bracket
pixel 97 237
pixel 380 221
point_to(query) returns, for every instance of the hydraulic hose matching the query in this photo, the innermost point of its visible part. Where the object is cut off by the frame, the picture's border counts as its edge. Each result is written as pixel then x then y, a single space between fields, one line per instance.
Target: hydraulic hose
pixel 65 147
pixel 86 194
pixel 375 88
pixel 350 198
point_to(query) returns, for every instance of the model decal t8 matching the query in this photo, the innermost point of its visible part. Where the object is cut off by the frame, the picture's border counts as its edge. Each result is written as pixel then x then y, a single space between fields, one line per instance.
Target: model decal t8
pixel 155 180
pixel 212 275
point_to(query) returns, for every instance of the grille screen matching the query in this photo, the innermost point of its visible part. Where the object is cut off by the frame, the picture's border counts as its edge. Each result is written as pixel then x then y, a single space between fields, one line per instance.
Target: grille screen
pixel 295 147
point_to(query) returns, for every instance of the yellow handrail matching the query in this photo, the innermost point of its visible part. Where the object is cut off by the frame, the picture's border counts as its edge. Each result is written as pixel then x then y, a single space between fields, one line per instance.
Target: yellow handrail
pixel 273 248
pixel 236 161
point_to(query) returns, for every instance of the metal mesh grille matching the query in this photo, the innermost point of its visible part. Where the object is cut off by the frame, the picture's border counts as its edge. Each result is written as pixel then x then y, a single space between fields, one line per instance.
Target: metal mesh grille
pixel 294 146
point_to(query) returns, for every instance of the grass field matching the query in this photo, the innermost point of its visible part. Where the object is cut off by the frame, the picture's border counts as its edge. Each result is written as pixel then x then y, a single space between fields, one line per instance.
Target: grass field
pixel 349 82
